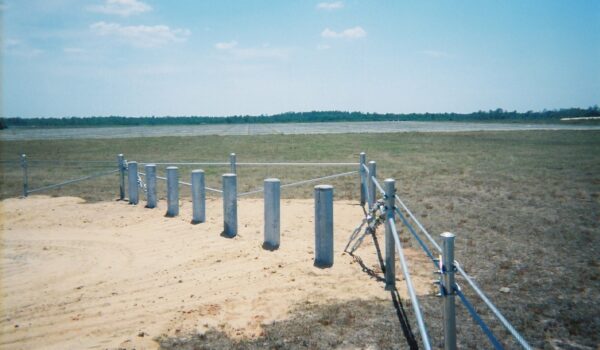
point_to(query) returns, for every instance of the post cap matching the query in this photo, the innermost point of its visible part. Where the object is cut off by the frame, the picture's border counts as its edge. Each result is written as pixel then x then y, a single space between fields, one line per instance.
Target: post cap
pixel 151 165
pixel 372 162
pixel 323 187
pixel 133 162
pixel 448 235
pixel 229 175
pixel 198 171
pixel 172 168
pixel 272 179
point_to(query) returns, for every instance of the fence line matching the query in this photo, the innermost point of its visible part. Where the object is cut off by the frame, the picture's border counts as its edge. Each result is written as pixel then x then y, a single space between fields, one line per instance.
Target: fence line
pixel 253 163
pixel 185 183
pixel 72 181
pixel 303 182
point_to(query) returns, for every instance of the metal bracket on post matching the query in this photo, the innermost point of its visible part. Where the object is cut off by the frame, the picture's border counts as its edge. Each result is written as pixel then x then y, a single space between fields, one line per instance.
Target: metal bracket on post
pixel 390 253
pixel 361 174
pixel 447 289
pixel 232 163
pixel 25 175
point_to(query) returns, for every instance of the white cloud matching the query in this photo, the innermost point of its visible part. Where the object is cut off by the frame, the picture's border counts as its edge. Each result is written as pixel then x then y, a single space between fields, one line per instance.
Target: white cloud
pixel 121 7
pixel 323 47
pixel 15 47
pixel 141 36
pixel 73 50
pixel 226 45
pixel 350 33
pixel 336 5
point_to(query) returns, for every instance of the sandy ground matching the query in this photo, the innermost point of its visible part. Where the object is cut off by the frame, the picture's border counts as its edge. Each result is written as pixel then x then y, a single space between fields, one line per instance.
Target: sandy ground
pixel 106 275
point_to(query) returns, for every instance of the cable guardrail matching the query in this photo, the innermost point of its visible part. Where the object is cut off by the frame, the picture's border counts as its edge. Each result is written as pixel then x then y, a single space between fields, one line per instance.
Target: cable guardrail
pixel 253 163
pixel 411 290
pixel 184 183
pixel 71 181
pixel 469 280
pixel 303 182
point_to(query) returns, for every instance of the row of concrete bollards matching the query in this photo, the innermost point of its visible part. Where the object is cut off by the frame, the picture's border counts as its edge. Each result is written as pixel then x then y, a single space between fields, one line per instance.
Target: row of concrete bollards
pixel 272 194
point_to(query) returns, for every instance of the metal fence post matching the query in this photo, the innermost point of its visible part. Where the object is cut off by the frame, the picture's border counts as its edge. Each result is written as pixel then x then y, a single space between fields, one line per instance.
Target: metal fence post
pixel 448 293
pixel 361 174
pixel 25 174
pixel 371 187
pixel 389 186
pixel 132 182
pixel 151 197
pixel 172 191
pixel 272 219
pixel 230 205
pixel 232 163
pixel 121 167
pixel 198 196
pixel 323 226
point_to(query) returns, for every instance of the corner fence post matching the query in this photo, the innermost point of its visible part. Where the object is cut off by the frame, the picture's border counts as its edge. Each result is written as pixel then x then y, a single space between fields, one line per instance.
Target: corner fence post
pixel 230 205
pixel 371 187
pixel 389 186
pixel 198 196
pixel 151 198
pixel 448 293
pixel 25 175
pixel 121 167
pixel 272 194
pixel 232 163
pixel 361 174
pixel 132 177
pixel 172 191
pixel 323 226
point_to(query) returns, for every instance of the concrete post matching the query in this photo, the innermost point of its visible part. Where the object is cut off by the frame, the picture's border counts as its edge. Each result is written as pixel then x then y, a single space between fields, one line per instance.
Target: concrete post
pixel 198 197
pixel 448 285
pixel 371 183
pixel 389 185
pixel 151 197
pixel 25 175
pixel 230 205
pixel 172 191
pixel 132 182
pixel 323 226
pixel 272 193
pixel 361 174
pixel 232 163
pixel 121 167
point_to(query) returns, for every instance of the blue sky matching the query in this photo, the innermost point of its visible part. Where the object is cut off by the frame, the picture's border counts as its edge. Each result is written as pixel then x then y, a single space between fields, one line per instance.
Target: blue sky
pixel 223 57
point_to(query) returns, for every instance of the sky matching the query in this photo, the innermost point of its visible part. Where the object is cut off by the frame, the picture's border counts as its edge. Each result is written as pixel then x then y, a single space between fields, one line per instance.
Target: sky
pixel 64 58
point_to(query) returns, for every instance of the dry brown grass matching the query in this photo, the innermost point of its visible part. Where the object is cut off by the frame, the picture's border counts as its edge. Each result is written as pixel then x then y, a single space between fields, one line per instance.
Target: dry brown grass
pixel 524 205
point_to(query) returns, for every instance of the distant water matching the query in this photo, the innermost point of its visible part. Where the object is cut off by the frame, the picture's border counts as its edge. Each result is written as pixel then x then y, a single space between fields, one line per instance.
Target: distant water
pixel 272 129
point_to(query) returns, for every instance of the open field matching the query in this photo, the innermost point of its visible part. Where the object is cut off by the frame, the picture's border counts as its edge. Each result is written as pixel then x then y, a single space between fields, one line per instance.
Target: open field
pixel 13 134
pixel 525 207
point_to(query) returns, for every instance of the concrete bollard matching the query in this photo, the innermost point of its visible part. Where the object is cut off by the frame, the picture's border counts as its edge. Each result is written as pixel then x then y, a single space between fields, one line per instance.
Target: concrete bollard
pixel 272 195
pixel 232 163
pixel 25 175
pixel 371 183
pixel 151 197
pixel 198 197
pixel 323 226
pixel 172 191
pixel 132 182
pixel 229 205
pixel 361 174
pixel 448 285
pixel 121 167
pixel 389 185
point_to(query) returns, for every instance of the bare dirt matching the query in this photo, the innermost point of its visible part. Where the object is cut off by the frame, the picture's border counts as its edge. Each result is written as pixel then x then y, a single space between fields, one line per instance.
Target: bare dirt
pixel 103 275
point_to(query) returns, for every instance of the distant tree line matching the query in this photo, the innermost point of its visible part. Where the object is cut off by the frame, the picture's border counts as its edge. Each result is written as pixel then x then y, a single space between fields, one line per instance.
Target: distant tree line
pixel 303 117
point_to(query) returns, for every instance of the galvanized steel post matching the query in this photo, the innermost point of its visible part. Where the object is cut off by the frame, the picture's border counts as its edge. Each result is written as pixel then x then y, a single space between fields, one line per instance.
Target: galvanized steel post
pixel 232 165
pixel 198 196
pixel 361 174
pixel 272 192
pixel 389 186
pixel 230 205
pixel 172 191
pixel 151 197
pixel 132 182
pixel 25 174
pixel 448 293
pixel 121 167
pixel 323 226
pixel 371 183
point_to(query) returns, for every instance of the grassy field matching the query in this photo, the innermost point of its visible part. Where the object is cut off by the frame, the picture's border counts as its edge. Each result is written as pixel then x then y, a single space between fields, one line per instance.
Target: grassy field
pixel 525 207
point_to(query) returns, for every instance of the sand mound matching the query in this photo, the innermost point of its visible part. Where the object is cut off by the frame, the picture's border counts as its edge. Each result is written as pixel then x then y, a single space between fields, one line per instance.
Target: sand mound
pixel 106 275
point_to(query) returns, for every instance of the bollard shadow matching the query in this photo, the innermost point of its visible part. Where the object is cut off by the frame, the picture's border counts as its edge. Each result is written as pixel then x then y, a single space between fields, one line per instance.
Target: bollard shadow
pixel 270 247
pixel 394 294
pixel 224 234
pixel 196 222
